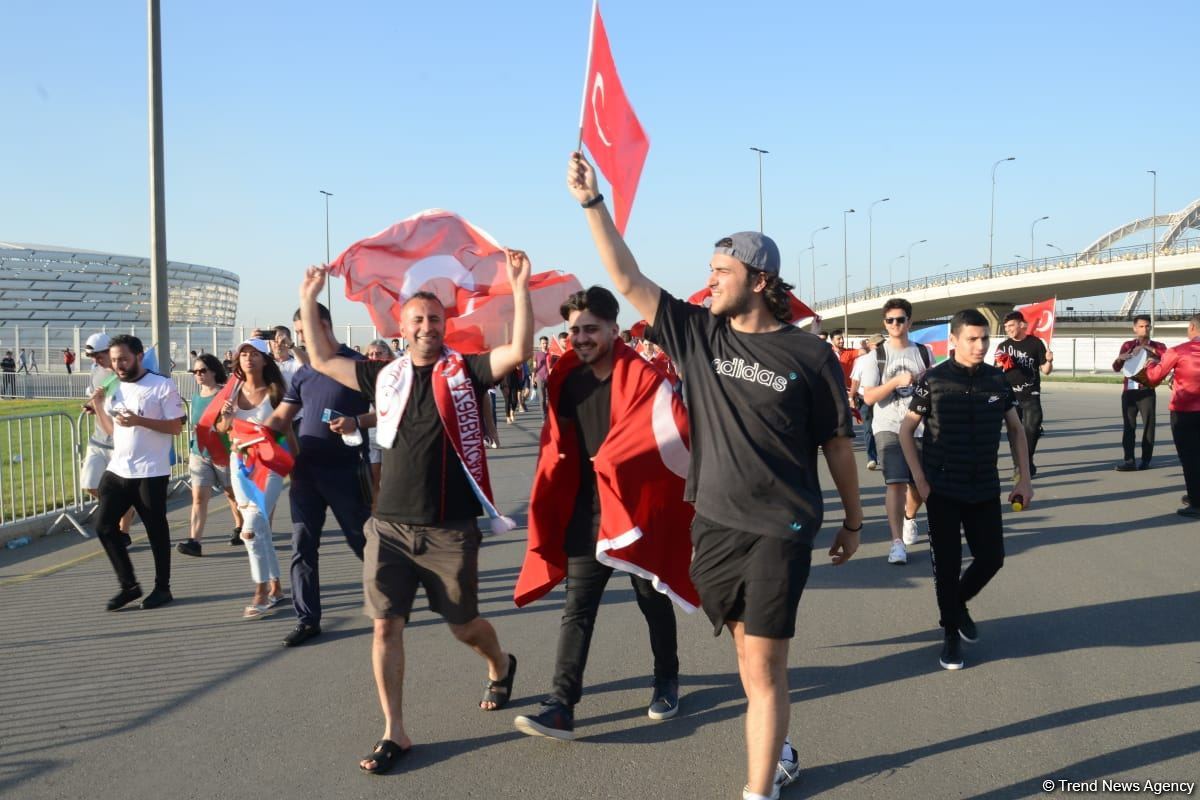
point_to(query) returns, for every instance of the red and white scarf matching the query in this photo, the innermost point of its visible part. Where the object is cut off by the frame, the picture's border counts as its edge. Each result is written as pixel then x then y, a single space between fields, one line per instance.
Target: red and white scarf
pixel 458 408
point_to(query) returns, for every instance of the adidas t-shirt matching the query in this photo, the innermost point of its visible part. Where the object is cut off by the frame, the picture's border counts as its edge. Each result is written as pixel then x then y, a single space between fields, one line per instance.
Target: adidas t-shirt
pixel 759 405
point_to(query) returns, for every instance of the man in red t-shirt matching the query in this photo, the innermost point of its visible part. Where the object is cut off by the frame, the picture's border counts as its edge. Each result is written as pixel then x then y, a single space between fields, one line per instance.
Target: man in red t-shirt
pixel 845 355
pixel 1184 360
pixel 1137 397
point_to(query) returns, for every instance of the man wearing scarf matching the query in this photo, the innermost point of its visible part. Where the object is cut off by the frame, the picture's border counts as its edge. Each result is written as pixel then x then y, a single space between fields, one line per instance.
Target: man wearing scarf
pixel 433 485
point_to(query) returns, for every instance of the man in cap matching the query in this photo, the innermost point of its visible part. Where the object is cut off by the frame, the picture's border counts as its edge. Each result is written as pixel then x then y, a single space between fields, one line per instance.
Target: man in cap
pixel 754 485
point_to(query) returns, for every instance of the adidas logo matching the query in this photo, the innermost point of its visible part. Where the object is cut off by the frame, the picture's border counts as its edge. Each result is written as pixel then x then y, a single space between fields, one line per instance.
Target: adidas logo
pixel 752 373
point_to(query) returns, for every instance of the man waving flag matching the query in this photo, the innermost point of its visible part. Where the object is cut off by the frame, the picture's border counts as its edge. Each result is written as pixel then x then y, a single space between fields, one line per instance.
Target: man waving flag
pixel 608 126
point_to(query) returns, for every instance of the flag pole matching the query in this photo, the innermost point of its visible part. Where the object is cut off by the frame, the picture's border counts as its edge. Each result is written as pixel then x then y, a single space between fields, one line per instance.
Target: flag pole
pixel 587 72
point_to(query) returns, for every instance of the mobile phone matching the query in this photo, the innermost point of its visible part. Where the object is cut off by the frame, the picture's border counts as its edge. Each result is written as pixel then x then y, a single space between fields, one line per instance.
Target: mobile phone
pixel 329 415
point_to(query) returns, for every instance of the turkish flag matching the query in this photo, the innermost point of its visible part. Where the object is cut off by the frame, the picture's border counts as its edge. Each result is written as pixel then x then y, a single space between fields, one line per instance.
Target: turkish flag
pixel 608 126
pixel 440 252
pixel 1040 318
pixel 801 314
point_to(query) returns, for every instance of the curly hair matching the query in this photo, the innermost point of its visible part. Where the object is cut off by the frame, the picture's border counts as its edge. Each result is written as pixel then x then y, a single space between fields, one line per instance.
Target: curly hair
pixel 775 293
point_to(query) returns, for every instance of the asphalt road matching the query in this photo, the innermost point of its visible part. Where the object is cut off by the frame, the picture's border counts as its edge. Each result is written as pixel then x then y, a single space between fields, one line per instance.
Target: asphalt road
pixel 1088 667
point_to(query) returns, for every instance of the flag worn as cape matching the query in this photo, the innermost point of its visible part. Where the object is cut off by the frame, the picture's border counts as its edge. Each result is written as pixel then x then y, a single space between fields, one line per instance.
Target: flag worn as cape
pixel 440 252
pixel 640 469
pixel 258 452
pixel 208 438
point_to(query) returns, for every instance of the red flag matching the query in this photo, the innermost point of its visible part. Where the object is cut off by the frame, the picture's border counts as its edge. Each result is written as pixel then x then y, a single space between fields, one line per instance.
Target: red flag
pixel 440 252
pixel 208 438
pixel 801 314
pixel 638 331
pixel 1040 318
pixel 608 126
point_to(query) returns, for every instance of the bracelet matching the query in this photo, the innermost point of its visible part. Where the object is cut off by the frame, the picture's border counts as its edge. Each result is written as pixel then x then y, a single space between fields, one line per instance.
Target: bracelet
pixel 853 530
pixel 595 201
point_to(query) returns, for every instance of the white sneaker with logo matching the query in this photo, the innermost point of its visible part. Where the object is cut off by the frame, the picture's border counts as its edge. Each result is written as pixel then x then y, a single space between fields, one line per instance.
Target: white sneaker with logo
pixel 911 534
pixel 898 555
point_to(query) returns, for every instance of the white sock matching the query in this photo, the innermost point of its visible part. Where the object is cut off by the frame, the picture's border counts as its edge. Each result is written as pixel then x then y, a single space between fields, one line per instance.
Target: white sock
pixel 749 795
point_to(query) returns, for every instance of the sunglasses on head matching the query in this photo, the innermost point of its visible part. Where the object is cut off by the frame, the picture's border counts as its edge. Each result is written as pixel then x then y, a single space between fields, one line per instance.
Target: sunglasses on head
pixel 895 320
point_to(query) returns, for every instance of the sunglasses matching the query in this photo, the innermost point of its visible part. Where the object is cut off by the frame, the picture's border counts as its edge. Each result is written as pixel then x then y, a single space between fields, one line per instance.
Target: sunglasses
pixel 198 371
pixel 895 320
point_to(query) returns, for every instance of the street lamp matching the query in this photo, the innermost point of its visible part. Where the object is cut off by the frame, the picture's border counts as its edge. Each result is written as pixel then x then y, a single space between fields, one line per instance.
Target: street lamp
pixel 800 270
pixel 1061 254
pixel 910 247
pixel 328 286
pixel 891 264
pixel 871 239
pixel 761 153
pixel 845 274
pixel 1031 228
pixel 812 241
pixel 992 217
pixel 1153 243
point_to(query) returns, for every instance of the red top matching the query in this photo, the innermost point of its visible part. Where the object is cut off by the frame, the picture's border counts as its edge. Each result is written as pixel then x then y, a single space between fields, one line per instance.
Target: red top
pixel 1157 349
pixel 1184 359
pixel 846 357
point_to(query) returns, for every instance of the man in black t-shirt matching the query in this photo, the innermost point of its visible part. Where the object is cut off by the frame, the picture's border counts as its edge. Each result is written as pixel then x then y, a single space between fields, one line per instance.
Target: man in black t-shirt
pixel 762 396
pixel 1025 360
pixel 585 409
pixel 423 531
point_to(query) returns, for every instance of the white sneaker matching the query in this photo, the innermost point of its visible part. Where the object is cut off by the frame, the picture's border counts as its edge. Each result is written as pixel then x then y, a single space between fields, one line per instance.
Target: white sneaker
pixel 898 555
pixel 911 534
pixel 871 465
pixel 749 795
pixel 788 768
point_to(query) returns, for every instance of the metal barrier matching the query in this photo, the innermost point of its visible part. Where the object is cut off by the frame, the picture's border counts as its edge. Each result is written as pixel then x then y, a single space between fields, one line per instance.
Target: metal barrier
pixel 40 457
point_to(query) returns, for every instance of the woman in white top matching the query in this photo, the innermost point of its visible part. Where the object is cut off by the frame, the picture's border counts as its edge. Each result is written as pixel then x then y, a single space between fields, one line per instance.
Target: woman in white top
pixel 261 388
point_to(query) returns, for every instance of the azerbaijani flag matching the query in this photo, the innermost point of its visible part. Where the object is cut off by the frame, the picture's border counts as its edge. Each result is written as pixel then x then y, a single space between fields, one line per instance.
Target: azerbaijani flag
pixel 257 452
pixel 938 339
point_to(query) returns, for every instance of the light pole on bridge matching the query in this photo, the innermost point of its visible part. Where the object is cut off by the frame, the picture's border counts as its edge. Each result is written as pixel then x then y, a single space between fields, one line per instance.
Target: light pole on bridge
pixel 846 274
pixel 761 153
pixel 328 283
pixel 992 216
pixel 1061 254
pixel 1032 226
pixel 812 242
pixel 1153 243
pixel 910 247
pixel 891 264
pixel 871 240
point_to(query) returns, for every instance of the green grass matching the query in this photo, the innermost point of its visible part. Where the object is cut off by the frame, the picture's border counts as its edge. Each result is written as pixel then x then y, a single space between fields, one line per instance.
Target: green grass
pixel 37 459
pixel 1082 377
pixel 12 408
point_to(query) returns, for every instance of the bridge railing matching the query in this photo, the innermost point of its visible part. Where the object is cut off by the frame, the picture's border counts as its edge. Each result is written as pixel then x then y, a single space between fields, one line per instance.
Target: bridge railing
pixel 1126 253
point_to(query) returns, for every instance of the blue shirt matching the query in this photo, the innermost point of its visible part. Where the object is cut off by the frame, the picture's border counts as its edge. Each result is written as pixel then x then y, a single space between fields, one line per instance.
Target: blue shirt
pixel 315 392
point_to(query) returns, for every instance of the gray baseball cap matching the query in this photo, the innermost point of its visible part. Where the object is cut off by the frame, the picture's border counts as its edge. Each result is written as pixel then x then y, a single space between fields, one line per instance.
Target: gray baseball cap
pixel 752 249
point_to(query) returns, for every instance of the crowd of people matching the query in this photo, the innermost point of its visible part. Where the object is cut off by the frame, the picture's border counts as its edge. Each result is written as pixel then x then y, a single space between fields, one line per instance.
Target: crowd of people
pixel 687 459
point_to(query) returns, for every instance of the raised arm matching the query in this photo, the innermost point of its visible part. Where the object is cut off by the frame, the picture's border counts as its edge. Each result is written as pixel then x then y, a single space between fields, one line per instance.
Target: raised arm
pixel 321 354
pixel 506 357
pixel 618 261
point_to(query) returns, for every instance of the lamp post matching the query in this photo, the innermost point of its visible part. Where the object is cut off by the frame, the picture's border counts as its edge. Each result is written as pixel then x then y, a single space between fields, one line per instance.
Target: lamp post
pixel 1061 254
pixel 891 264
pixel 1032 226
pixel 910 247
pixel 871 239
pixel 846 274
pixel 992 216
pixel 761 153
pixel 1153 243
pixel 812 241
pixel 160 323
pixel 800 270
pixel 328 287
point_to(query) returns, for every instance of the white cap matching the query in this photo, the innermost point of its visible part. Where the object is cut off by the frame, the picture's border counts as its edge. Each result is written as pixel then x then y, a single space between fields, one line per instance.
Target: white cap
pixel 258 344
pixel 97 341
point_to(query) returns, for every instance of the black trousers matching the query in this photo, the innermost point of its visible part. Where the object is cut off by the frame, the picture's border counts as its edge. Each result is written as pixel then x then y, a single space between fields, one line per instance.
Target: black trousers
pixel 586 579
pixel 949 520
pixel 1185 429
pixel 1030 411
pixel 147 496
pixel 1134 402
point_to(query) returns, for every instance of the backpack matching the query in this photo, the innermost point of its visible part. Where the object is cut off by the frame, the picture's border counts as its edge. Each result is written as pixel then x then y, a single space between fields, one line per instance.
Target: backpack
pixel 881 357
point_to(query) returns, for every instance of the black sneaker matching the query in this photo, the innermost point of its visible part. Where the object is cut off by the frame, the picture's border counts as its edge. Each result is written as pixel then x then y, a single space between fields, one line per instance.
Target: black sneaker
pixel 190 547
pixel 236 539
pixel 966 627
pixel 1126 466
pixel 554 720
pixel 1144 464
pixel 1189 511
pixel 951 657
pixel 664 703
pixel 301 634
pixel 159 597
pixel 125 540
pixel 125 597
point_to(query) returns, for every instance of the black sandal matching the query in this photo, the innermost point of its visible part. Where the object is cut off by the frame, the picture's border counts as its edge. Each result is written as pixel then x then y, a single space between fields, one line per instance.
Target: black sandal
pixel 385 755
pixel 500 692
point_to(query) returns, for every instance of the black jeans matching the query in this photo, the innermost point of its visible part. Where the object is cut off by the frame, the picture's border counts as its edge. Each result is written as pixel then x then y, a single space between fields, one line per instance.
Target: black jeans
pixel 147 496
pixel 1134 402
pixel 1185 429
pixel 1030 411
pixel 948 520
pixel 586 579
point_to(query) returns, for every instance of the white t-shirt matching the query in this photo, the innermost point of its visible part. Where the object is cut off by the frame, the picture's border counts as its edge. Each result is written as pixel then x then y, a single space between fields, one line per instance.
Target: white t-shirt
pixel 99 375
pixel 891 410
pixel 140 452
pixel 288 369
pixel 856 369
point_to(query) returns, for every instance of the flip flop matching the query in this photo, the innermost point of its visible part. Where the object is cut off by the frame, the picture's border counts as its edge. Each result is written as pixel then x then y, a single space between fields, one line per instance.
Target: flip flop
pixel 500 692
pixel 385 755
pixel 274 601
pixel 256 612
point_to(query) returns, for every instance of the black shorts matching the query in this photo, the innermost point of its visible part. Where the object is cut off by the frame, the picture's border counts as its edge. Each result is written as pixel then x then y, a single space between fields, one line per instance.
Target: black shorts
pixel 749 578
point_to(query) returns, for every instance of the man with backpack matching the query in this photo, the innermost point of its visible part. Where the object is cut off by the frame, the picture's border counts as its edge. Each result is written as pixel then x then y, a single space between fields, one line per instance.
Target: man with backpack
pixel 887 384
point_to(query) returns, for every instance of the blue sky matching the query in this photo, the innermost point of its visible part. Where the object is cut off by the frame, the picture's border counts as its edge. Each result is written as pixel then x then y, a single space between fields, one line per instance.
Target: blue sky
pixel 473 106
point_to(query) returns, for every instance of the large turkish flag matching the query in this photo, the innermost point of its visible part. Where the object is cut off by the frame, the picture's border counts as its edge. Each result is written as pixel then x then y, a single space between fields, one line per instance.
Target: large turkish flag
pixel 1040 319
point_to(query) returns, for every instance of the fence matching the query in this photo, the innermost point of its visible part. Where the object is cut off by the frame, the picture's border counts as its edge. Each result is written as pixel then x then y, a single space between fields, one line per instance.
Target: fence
pixel 40 456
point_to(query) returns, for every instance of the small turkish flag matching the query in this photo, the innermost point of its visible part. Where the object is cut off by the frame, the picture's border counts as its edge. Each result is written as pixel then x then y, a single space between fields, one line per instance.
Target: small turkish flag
pixel 801 314
pixel 608 126
pixel 1040 319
